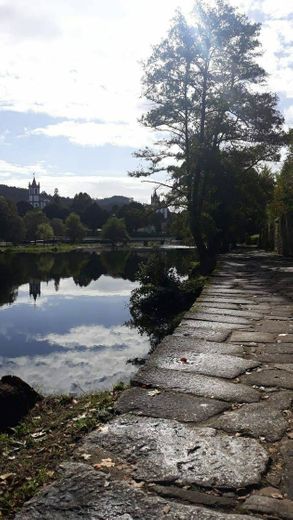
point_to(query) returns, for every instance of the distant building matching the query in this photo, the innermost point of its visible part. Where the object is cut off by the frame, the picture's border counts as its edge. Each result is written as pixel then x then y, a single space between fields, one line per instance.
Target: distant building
pixel 35 289
pixel 158 205
pixel 35 197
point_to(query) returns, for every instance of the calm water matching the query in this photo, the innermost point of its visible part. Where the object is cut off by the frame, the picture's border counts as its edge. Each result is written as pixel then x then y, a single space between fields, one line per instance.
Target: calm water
pixel 65 320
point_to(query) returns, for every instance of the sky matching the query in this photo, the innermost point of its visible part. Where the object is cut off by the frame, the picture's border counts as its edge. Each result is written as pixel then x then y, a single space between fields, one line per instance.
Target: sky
pixel 70 86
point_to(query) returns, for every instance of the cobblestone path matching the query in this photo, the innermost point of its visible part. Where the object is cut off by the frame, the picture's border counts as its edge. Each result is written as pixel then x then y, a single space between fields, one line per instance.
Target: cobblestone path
pixel 205 432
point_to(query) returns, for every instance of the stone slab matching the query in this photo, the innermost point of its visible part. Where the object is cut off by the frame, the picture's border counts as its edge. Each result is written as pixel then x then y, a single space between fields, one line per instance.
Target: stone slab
pixel 226 312
pixel 196 384
pixel 210 317
pixel 216 305
pixel 161 450
pixel 232 299
pixel 169 405
pixel 275 326
pixel 211 325
pixel 269 506
pixel 176 344
pixel 218 365
pixel 270 377
pixel 255 337
pixel 287 479
pixel 256 419
pixel 207 334
pixel 85 494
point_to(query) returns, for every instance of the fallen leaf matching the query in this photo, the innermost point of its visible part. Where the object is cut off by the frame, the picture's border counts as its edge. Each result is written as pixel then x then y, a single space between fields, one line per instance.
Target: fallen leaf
pixel 166 509
pixel 152 393
pixel 6 476
pixel 105 463
pixel 85 456
pixel 38 434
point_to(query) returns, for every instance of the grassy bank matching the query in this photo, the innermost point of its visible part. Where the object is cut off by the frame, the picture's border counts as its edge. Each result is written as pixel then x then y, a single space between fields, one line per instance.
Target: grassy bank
pixel 31 452
pixel 41 248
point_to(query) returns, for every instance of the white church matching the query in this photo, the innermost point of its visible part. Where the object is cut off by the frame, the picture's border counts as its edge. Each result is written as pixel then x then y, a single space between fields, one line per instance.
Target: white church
pixel 35 197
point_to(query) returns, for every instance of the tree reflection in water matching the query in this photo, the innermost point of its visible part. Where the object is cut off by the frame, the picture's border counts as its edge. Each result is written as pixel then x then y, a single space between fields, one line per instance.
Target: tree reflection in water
pixel 166 290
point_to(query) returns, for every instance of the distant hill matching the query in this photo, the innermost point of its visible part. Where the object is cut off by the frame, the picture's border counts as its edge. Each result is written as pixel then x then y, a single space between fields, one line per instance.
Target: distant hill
pixel 116 200
pixel 16 194
pixel 13 193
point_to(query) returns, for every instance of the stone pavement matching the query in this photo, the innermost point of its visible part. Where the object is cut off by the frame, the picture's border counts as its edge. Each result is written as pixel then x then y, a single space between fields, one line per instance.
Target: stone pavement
pixel 205 432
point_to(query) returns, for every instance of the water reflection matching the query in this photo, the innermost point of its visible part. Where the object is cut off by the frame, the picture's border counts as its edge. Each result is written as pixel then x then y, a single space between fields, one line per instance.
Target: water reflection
pixel 65 321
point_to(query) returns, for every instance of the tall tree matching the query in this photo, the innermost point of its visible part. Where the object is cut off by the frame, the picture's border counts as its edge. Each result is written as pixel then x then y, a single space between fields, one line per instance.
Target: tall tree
pixel 201 84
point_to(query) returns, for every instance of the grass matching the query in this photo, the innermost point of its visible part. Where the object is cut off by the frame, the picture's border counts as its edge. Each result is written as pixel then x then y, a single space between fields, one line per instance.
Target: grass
pixel 31 452
pixel 40 248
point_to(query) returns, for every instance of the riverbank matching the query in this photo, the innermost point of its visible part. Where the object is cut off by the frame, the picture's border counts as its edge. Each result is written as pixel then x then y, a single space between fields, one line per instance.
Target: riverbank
pixel 32 452
pixel 206 430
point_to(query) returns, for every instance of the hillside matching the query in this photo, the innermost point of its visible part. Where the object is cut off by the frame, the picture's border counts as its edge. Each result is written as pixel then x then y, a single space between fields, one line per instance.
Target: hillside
pixel 16 194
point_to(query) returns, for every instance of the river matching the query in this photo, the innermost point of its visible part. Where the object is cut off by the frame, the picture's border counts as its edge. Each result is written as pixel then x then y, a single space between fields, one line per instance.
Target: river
pixel 65 321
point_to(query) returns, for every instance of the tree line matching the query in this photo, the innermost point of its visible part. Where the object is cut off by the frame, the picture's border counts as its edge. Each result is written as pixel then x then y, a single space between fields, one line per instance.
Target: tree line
pixel 83 216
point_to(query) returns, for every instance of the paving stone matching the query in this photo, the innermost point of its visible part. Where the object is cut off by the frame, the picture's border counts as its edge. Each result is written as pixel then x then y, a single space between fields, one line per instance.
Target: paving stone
pixel 86 494
pixel 169 405
pixel 217 305
pixel 225 312
pixel 288 367
pixel 205 316
pixel 277 327
pixel 207 334
pixel 256 337
pixel 285 338
pixel 269 506
pixel 272 358
pixel 281 400
pixel 287 478
pixel 211 325
pixel 197 384
pixel 195 497
pixel 220 365
pixel 270 377
pixel 162 450
pixel 226 299
pixel 277 348
pixel 256 419
pixel 176 344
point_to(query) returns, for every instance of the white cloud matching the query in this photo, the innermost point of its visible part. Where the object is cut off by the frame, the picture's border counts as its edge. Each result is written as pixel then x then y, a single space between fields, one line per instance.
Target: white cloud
pixel 99 134
pixel 95 335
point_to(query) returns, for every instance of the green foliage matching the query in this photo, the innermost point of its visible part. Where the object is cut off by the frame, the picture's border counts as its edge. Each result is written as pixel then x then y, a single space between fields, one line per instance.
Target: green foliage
pixel 201 82
pixel 156 306
pixel 94 216
pixel 45 232
pixel 115 230
pixel 283 196
pixel 32 220
pixel 74 228
pixel 58 227
pixel 134 215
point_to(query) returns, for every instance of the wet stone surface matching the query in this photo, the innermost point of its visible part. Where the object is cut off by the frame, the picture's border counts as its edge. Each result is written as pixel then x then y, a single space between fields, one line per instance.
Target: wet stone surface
pixel 163 450
pixel 279 378
pixel 197 384
pixel 169 405
pixel 256 419
pixel 221 365
pixel 176 344
pixel 200 333
pixel 212 317
pixel 86 494
pixel 269 506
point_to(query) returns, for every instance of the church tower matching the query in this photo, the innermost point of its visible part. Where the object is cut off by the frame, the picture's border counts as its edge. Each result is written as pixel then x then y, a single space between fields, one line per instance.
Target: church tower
pixel 35 197
pixel 34 194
